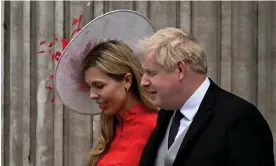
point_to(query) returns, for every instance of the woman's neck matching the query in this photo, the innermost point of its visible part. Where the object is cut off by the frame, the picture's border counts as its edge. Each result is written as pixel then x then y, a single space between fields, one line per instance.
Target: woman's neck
pixel 129 103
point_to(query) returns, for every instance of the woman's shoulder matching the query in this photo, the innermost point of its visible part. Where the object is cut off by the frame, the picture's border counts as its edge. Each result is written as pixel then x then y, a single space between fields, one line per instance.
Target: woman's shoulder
pixel 149 117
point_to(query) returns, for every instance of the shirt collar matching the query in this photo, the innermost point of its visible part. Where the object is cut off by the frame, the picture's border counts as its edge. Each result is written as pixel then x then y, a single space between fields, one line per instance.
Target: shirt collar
pixel 191 106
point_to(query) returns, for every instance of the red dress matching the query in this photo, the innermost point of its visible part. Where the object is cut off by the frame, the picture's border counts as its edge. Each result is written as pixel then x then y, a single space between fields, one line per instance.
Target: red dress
pixel 132 134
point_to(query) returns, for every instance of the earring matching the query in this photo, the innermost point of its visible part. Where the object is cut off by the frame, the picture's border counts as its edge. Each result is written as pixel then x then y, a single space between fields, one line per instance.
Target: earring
pixel 126 88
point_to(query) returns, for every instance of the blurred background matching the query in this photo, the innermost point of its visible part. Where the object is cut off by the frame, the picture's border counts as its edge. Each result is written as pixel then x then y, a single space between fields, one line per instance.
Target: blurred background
pixel 239 39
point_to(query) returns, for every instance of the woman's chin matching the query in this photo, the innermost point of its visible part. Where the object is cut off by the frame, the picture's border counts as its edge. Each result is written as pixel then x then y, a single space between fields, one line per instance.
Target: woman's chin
pixel 108 112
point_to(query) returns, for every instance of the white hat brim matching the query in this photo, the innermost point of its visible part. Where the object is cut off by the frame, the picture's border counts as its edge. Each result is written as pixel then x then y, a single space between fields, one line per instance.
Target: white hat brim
pixel 124 25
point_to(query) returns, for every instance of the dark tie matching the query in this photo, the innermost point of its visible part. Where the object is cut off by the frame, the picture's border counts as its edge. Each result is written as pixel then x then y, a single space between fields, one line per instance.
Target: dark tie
pixel 174 127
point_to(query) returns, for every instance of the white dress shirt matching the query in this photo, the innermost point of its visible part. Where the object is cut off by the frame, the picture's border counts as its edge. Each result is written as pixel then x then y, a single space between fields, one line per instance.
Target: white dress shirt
pixel 190 108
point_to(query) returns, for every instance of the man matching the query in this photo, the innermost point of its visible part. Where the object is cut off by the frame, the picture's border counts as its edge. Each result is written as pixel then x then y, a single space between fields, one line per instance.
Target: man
pixel 199 124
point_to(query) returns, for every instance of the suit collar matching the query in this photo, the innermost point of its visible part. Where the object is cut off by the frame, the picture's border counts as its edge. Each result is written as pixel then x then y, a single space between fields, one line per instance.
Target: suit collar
pixel 201 118
pixel 190 108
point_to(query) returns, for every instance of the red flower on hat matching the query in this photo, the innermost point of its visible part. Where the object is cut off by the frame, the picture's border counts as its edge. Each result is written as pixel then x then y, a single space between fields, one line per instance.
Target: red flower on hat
pixel 56 56
pixel 49 87
pixel 64 43
pixel 51 76
pixel 53 100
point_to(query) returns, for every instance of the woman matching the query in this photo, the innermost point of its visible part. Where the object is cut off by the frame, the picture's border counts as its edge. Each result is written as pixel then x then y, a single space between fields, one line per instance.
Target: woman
pixel 112 74
pixel 127 117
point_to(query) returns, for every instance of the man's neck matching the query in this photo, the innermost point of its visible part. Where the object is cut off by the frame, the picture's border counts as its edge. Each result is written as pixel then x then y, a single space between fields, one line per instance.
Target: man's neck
pixel 191 85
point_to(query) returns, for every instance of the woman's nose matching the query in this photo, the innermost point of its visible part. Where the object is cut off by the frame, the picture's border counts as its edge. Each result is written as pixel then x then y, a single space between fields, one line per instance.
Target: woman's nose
pixel 93 95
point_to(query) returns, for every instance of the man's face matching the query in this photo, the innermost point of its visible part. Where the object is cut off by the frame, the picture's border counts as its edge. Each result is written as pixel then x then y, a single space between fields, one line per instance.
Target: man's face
pixel 161 85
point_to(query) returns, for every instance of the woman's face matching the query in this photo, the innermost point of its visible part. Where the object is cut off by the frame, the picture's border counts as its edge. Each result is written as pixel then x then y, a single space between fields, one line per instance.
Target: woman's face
pixel 108 93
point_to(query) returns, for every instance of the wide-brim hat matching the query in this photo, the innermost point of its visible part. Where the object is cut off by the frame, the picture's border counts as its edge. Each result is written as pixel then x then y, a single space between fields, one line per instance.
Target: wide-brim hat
pixel 124 25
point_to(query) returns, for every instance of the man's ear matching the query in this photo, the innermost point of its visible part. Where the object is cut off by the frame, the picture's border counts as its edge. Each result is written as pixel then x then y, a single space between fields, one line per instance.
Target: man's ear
pixel 181 68
pixel 128 80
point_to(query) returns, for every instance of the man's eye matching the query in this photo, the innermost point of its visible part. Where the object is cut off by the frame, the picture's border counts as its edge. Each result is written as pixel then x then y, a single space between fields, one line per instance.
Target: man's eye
pixel 150 73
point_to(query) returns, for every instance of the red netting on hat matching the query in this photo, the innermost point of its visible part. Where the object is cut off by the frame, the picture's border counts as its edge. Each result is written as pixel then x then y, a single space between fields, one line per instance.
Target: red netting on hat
pixel 55 56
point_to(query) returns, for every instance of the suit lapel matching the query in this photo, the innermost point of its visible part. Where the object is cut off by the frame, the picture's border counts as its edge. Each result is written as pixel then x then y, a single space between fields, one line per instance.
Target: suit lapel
pixel 158 134
pixel 200 120
pixel 162 126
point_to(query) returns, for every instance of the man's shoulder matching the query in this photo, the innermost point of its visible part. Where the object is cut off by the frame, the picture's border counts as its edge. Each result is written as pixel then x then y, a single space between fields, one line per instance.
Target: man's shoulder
pixel 231 100
pixel 227 98
pixel 232 105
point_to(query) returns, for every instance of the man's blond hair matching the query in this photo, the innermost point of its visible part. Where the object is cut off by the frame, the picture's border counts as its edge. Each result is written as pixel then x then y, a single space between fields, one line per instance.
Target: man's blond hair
pixel 172 45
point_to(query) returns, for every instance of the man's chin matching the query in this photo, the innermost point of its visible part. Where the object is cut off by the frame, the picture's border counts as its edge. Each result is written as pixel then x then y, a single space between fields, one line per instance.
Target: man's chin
pixel 160 104
pixel 155 102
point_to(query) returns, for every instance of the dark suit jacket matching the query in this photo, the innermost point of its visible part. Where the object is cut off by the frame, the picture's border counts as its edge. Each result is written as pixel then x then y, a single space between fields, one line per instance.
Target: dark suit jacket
pixel 226 131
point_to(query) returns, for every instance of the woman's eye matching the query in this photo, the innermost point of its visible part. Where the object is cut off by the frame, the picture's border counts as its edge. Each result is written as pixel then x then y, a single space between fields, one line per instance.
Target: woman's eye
pixel 99 86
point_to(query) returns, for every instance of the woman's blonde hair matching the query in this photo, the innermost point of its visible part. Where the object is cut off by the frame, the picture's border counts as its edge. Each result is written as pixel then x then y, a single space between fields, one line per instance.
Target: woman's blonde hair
pixel 116 59
pixel 171 45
